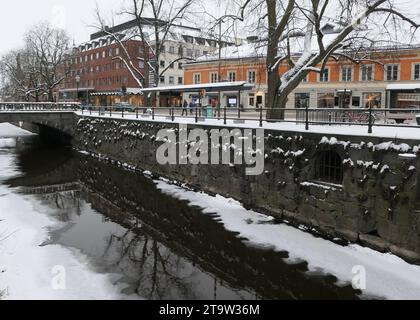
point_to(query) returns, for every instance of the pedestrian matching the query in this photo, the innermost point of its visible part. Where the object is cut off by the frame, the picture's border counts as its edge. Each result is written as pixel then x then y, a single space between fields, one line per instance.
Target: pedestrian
pixel 185 108
pixel 191 108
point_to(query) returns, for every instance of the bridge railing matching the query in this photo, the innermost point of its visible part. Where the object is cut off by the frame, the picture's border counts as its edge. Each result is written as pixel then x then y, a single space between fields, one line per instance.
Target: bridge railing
pixel 39 106
pixel 361 117
pixel 368 118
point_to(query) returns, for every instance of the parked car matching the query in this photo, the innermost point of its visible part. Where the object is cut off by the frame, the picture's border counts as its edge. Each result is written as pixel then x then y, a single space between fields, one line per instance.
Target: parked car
pixel 123 107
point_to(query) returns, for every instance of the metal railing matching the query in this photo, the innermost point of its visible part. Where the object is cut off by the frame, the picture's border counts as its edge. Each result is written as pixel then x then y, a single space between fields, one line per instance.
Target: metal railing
pixel 39 106
pixel 308 117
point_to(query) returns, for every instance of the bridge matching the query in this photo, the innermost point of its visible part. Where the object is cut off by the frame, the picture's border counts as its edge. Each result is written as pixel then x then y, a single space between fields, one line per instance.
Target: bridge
pixel 61 118
pixel 54 120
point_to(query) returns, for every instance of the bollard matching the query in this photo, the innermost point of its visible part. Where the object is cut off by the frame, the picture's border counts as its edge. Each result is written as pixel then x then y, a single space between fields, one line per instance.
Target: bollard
pixel 196 115
pixel 307 118
pixel 224 115
pixel 137 113
pixel 153 113
pixel 370 129
pixel 261 116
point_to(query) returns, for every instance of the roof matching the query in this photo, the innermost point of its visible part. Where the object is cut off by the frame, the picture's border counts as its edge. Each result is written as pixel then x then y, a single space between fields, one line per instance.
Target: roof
pixel 403 86
pixel 209 87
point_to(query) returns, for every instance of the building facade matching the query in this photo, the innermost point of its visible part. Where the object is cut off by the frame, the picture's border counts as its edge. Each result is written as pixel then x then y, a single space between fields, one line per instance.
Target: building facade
pixel 391 78
pixel 98 77
pixel 105 80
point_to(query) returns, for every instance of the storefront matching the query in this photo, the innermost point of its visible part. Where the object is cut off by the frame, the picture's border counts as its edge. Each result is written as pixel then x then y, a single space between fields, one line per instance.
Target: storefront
pixel 403 96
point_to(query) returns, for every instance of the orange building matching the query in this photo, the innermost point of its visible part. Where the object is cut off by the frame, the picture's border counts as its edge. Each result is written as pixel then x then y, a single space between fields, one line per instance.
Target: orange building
pixel 391 78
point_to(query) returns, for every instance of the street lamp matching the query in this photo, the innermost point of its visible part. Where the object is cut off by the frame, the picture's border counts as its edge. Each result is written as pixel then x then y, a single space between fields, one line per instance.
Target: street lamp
pixel 77 86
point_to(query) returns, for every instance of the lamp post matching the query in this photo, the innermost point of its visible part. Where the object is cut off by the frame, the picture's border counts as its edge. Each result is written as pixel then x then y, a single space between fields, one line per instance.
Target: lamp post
pixel 77 87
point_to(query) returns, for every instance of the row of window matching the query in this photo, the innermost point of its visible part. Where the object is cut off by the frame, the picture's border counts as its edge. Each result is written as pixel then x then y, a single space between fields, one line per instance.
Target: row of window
pixel 118 80
pixel 162 64
pixel 331 100
pixel 171 80
pixel 392 73
pixel 181 51
pixel 103 68
pixel 231 77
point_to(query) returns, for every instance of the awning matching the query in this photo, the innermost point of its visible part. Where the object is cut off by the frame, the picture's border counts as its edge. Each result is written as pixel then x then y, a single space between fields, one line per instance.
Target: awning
pixel 403 87
pixel 106 93
pixel 130 91
pixel 208 87
pixel 75 89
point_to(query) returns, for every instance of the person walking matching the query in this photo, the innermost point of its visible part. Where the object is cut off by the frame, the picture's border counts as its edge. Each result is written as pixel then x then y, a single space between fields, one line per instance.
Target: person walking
pixel 191 106
pixel 185 108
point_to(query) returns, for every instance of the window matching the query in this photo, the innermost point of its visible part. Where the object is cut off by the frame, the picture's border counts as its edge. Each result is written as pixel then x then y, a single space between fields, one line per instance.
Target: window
pixel 172 49
pixel 302 100
pixel 189 52
pixel 162 63
pixel 355 101
pixel 205 53
pixel 197 53
pixel 171 66
pixel 180 80
pixel 372 99
pixel 197 78
pixel 97 55
pixel 141 64
pixel 171 80
pixel 180 65
pixel 366 73
pixel 110 52
pixel 232 76
pixel 326 100
pixel 252 76
pixel 346 74
pixel 180 51
pixel 392 72
pixel 329 167
pixel 162 79
pixel 416 72
pixel 252 100
pixel 163 49
pixel 214 77
pixel 104 54
pixel 117 51
pixel 324 76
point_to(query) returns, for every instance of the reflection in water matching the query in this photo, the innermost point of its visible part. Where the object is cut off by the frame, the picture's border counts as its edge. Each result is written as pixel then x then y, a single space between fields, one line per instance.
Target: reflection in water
pixel 162 247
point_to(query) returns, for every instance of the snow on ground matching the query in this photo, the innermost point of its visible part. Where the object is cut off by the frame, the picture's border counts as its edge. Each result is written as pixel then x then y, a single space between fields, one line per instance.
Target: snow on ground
pixel 388 132
pixel 387 275
pixel 8 130
pixel 27 269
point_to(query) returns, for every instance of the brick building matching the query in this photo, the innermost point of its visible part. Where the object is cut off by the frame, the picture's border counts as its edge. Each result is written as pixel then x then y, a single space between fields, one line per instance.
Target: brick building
pixel 98 78
pixel 102 77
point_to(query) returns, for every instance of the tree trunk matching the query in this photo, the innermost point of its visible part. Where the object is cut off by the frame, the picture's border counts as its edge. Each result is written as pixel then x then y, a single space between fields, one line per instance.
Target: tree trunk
pixel 275 104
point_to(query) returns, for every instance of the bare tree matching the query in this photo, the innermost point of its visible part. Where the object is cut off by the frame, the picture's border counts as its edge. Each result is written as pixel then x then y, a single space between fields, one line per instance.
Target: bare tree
pixel 20 75
pixel 153 32
pixel 38 68
pixel 51 48
pixel 281 20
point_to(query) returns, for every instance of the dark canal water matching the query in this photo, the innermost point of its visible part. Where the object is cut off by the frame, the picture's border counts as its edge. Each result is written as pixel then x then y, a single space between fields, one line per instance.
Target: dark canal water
pixel 161 247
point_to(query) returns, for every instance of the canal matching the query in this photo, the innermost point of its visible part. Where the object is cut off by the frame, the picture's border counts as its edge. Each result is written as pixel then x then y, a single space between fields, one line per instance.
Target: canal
pixel 155 244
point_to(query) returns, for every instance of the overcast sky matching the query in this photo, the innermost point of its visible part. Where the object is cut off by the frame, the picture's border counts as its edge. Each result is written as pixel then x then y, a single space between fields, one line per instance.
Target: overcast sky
pixel 16 16
pixel 75 16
